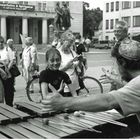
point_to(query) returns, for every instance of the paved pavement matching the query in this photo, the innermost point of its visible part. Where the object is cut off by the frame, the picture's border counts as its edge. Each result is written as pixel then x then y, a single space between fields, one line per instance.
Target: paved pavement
pixel 93 70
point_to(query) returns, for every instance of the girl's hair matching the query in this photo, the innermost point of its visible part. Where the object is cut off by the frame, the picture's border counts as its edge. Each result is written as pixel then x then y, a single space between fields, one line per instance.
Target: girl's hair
pixel 52 51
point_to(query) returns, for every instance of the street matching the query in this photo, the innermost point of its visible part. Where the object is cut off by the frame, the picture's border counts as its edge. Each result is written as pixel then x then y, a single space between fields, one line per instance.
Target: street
pixel 96 60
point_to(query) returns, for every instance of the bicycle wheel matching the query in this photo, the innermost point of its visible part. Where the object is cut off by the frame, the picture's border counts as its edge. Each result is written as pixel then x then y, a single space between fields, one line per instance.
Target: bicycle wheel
pixel 35 94
pixel 91 86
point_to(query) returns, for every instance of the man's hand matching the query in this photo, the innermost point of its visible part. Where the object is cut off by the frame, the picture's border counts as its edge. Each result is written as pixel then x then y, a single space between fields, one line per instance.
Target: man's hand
pixel 53 102
pixel 108 77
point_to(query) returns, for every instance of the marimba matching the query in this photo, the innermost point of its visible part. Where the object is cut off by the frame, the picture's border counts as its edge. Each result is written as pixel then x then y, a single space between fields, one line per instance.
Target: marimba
pixel 15 123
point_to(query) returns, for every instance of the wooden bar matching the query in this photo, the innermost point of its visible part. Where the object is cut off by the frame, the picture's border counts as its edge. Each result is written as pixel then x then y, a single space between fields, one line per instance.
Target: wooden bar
pixel 10 133
pixel 24 131
pixel 38 130
pixel 21 114
pixel 33 108
pixel 9 114
pixel 48 128
pixel 4 119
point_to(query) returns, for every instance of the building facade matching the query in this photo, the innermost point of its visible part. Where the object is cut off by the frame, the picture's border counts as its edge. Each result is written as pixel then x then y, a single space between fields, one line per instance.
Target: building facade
pixel 33 18
pixel 121 10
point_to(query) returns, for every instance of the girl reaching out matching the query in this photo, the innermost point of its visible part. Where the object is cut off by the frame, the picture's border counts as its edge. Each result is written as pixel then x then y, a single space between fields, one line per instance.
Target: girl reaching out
pixel 52 75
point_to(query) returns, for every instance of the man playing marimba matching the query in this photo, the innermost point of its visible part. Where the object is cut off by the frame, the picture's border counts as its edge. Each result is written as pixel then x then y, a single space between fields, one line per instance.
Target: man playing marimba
pixel 126 99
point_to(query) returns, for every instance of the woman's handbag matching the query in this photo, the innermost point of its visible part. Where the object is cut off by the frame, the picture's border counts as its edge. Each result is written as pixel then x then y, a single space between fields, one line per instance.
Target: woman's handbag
pixel 14 71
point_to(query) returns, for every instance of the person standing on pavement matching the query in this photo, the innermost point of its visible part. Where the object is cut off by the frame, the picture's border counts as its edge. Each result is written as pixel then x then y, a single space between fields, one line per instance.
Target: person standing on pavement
pixel 29 60
pixel 113 77
pixel 7 60
pixel 88 43
pixel 13 53
pixel 79 48
pixel 69 60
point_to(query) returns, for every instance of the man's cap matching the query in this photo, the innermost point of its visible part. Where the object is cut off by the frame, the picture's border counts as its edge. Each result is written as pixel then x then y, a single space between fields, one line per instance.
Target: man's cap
pixel 130 49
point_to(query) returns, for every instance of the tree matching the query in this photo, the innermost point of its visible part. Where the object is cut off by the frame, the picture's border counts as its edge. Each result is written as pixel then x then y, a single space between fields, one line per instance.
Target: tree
pixel 91 19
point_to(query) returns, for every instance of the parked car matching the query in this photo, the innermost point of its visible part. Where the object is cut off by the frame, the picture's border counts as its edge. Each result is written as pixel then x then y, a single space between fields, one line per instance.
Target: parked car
pixel 103 44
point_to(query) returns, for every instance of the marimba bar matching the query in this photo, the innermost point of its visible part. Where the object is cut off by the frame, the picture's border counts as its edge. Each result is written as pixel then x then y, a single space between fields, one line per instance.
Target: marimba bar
pixel 9 114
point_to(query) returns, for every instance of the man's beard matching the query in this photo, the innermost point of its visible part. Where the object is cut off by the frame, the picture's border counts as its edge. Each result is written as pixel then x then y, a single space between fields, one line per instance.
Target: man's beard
pixel 126 76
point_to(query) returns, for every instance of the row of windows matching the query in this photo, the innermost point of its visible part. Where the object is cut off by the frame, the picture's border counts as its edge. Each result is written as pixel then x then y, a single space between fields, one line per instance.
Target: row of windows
pixel 41 6
pixel 112 6
pixel 125 5
pixel 136 22
pixel 111 23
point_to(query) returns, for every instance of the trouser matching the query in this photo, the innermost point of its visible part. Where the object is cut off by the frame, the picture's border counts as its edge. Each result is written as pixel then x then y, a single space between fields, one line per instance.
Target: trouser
pixel 28 76
pixel 1 92
pixel 9 90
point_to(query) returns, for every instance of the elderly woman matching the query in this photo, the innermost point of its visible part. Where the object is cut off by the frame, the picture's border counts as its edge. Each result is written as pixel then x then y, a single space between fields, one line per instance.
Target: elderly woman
pixel 6 61
pixel 29 59
pixel 69 61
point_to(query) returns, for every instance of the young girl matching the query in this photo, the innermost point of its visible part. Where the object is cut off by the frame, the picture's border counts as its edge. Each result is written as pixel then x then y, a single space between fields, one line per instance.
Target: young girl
pixel 52 75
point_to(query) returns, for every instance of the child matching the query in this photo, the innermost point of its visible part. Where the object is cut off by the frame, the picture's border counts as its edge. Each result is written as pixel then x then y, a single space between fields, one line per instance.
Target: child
pixel 52 75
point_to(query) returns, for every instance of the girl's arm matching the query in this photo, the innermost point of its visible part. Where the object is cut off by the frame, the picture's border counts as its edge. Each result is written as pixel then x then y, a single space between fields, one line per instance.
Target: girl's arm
pixel 73 92
pixel 44 89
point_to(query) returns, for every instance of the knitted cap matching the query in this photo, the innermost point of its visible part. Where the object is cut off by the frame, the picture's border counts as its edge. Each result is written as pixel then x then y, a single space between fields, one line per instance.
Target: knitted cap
pixel 130 50
pixel 67 36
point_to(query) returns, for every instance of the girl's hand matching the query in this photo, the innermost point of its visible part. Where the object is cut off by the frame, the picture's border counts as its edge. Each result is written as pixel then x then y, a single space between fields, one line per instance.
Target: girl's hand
pixel 62 85
pixel 69 64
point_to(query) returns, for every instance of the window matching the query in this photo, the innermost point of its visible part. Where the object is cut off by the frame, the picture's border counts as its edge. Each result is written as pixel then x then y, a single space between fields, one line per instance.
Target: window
pixel 107 7
pixel 5 1
pixel 128 20
pixel 44 6
pixel 126 5
pixel 39 6
pixel 107 24
pixel 111 23
pixel 136 4
pixel 21 2
pixel 136 21
pixel 116 20
pixel 106 37
pixel 112 6
pixel 25 2
pixel 117 5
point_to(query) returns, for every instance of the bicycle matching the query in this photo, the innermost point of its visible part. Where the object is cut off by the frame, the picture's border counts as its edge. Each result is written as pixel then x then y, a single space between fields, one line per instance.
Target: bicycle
pixel 90 86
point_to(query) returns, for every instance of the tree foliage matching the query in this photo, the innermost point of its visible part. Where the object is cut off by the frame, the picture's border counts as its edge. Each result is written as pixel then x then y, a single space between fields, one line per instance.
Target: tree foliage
pixel 91 19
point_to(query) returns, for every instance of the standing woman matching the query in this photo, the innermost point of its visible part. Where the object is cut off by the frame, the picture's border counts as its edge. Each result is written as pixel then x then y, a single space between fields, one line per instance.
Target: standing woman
pixel 29 60
pixel 7 78
pixel 69 60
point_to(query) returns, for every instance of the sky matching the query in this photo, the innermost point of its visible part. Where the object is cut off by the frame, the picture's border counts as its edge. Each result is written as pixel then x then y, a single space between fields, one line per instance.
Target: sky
pixel 95 3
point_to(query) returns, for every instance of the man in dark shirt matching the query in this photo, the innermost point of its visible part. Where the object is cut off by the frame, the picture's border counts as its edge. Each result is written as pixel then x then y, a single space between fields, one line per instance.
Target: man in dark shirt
pixel 79 47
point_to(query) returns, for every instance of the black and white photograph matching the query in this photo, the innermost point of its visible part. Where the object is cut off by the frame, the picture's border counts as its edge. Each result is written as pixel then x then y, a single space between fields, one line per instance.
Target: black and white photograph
pixel 69 69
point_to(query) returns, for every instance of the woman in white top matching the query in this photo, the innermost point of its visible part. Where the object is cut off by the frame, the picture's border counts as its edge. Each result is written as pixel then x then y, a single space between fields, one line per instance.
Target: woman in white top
pixel 69 60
